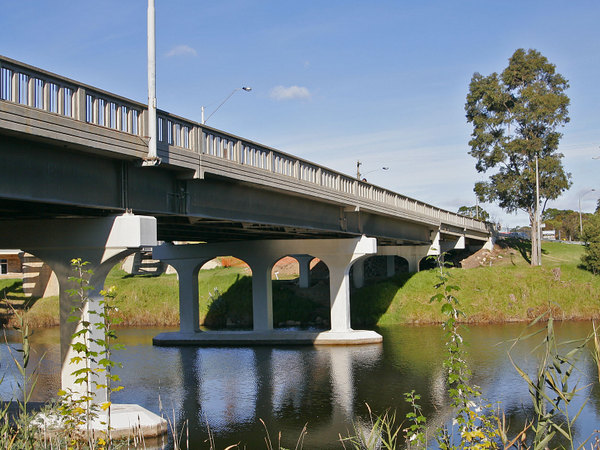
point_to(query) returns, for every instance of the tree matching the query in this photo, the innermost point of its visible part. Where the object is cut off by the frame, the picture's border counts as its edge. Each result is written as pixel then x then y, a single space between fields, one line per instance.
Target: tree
pixel 564 221
pixel 591 236
pixel 515 117
pixel 475 212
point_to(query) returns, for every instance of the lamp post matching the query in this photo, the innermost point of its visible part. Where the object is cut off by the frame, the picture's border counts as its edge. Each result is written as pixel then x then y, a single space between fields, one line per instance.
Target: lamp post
pixel 359 175
pixel 538 246
pixel 580 219
pixel 243 88
pixel 151 159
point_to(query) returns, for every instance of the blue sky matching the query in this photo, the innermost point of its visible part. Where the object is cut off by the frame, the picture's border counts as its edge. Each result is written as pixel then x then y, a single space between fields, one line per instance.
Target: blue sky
pixel 335 81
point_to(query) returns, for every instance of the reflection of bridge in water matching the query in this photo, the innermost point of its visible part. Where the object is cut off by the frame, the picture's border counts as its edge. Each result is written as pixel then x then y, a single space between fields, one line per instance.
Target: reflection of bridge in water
pixel 72 166
pixel 234 386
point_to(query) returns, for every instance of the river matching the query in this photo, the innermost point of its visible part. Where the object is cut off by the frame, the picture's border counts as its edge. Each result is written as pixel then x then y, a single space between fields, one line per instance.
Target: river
pixel 227 390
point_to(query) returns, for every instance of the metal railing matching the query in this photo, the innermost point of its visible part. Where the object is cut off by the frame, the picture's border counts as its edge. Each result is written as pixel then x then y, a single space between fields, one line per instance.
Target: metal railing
pixel 36 88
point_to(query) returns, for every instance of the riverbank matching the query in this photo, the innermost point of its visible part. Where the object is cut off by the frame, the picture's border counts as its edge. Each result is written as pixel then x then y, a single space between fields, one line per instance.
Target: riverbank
pixel 501 287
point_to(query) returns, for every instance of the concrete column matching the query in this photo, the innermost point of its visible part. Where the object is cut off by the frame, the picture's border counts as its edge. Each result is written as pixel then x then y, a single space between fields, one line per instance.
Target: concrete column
pixel 413 263
pixel 390 265
pixel 412 253
pixel 358 273
pixel 339 293
pixel 60 262
pixel 304 269
pixel 187 272
pixel 100 241
pixel 262 294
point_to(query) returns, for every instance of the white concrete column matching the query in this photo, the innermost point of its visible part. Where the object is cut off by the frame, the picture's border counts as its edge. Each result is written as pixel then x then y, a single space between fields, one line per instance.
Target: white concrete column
pixel 304 270
pixel 339 293
pixel 358 273
pixel 412 253
pixel 187 273
pixel 60 262
pixel 100 241
pixel 262 294
pixel 390 265
pixel 339 258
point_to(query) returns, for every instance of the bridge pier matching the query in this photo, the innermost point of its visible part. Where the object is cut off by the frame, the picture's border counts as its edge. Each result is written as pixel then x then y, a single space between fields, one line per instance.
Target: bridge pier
pixel 337 254
pixel 358 273
pixel 101 242
pixel 303 269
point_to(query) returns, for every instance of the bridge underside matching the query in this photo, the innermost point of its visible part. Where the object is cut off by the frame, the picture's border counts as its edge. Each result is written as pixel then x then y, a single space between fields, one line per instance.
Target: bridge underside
pixel 41 180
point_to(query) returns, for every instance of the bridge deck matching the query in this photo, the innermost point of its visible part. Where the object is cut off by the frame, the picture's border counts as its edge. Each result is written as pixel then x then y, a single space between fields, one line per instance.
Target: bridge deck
pixel 41 106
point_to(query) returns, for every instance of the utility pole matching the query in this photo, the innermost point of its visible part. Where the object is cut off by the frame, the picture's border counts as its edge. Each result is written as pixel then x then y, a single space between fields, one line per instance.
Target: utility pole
pixel 538 229
pixel 152 159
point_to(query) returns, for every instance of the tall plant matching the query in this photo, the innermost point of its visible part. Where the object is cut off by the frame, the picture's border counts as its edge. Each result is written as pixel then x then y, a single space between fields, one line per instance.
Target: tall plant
pixel 473 417
pixel 93 344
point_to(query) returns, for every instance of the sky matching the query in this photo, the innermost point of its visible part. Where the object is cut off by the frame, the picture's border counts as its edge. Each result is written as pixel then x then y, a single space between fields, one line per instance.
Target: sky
pixel 335 81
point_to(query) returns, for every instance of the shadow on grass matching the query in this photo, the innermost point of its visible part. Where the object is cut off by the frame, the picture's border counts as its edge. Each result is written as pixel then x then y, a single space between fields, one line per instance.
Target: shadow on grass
pixel 14 295
pixel 523 246
pixel 369 303
pixel 303 307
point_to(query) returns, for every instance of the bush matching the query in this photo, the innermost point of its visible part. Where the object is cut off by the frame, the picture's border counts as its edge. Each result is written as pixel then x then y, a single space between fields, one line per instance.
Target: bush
pixel 591 235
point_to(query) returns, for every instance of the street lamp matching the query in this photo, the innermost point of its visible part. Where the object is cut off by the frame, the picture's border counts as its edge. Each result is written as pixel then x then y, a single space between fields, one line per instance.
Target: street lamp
pixel 359 175
pixel 538 230
pixel 580 220
pixel 243 88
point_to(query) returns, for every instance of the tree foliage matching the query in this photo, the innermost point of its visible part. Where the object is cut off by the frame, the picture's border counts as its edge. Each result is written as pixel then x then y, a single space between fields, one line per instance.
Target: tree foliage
pixel 565 222
pixel 515 117
pixel 475 212
pixel 591 236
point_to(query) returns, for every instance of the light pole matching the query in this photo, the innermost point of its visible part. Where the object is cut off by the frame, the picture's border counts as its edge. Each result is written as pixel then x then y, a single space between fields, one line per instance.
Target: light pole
pixel 359 175
pixel 151 159
pixel 580 219
pixel 243 88
pixel 538 230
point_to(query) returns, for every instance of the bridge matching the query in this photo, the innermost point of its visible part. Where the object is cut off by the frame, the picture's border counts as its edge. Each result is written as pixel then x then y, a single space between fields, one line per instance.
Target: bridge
pixel 73 183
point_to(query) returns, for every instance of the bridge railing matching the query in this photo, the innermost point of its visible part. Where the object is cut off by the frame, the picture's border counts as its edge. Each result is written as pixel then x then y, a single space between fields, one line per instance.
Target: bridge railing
pixel 36 88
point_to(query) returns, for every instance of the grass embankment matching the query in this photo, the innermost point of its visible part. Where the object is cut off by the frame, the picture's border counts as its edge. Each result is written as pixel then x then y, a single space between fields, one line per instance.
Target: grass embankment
pixel 507 290
pixel 225 298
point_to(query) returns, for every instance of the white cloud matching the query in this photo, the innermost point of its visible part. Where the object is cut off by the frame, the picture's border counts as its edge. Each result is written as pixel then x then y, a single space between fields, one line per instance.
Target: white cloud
pixel 182 50
pixel 290 93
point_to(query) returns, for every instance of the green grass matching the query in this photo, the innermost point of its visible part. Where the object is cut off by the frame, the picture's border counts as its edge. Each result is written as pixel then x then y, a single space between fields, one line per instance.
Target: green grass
pixel 510 290
pixel 225 299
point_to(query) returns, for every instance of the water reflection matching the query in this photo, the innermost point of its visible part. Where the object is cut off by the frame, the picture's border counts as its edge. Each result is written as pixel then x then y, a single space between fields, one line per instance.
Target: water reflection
pixel 230 389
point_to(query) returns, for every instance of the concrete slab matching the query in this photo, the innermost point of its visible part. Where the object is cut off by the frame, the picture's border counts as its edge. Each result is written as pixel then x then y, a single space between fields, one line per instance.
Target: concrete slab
pixel 127 421
pixel 272 337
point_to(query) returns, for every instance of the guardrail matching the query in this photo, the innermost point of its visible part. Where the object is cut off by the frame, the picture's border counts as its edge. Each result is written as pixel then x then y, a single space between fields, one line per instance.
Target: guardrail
pixel 36 88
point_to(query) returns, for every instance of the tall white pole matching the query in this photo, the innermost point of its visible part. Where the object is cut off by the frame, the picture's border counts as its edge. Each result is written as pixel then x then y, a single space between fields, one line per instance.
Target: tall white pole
pixel 151 82
pixel 537 214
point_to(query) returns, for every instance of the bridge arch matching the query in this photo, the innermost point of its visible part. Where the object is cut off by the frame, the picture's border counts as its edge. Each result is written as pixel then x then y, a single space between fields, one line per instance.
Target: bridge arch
pixel 300 295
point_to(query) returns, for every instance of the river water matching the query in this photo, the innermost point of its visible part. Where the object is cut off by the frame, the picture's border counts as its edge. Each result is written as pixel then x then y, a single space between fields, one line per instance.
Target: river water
pixel 228 390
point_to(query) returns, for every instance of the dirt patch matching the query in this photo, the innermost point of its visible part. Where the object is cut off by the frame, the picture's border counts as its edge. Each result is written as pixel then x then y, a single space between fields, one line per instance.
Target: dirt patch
pixel 499 255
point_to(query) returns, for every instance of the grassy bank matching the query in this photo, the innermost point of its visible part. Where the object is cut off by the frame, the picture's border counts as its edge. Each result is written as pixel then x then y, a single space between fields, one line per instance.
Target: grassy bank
pixel 503 288
pixel 508 290
pixel 225 299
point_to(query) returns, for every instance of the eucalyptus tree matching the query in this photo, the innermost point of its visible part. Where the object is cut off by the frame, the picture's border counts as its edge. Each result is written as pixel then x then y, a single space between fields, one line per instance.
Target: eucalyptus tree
pixel 516 116
pixel 475 212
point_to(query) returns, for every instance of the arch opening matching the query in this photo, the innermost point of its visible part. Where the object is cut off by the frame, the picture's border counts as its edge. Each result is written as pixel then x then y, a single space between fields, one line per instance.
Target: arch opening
pixel 300 288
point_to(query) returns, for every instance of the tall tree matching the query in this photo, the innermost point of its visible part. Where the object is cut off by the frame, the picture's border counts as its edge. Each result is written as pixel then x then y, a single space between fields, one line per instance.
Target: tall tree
pixel 515 117
pixel 475 212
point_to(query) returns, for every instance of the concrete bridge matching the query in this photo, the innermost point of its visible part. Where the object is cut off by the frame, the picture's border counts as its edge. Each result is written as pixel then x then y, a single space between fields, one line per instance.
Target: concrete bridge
pixel 73 184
